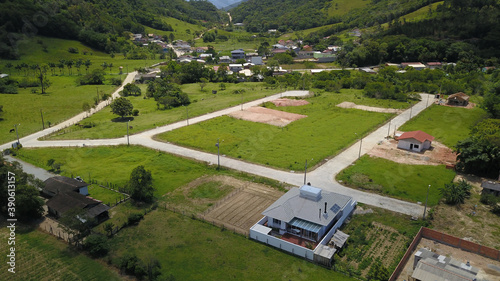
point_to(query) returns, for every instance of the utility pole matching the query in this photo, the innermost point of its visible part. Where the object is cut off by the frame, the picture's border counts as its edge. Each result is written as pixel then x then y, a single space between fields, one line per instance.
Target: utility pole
pixel 389 129
pixel 426 198
pixel 360 144
pixel 218 154
pixel 187 115
pixel 128 142
pixel 43 124
pixel 305 173
pixel 18 142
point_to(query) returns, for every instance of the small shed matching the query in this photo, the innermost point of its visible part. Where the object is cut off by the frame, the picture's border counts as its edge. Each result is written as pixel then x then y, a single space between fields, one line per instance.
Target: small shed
pixel 491 187
pixel 61 184
pixel 459 99
pixel 415 141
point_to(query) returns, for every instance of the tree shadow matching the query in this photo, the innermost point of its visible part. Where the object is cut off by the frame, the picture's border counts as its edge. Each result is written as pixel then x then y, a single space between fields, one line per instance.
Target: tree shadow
pixel 122 119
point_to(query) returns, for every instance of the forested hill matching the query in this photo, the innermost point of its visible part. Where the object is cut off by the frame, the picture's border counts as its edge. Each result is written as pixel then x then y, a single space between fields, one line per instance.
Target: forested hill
pixel 284 15
pixel 95 23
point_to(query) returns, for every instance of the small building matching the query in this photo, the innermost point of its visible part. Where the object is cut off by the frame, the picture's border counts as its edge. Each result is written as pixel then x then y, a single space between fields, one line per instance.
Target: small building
pixel 415 141
pixel 61 184
pixel 434 65
pixel 235 67
pixel 491 187
pixel 414 65
pixel 3 75
pixel 238 54
pixel 225 59
pixel 256 60
pixel 458 99
pixel 90 208
pixel 431 266
pixel 303 222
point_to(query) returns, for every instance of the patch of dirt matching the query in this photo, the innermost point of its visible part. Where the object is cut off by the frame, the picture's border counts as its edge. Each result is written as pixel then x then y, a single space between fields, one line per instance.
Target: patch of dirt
pixel 443 102
pixel 439 154
pixel 267 116
pixel 472 220
pixel 289 102
pixel 348 104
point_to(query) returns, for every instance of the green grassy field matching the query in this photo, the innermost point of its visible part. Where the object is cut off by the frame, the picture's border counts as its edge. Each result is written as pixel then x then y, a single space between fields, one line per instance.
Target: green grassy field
pixel 32 52
pixel 105 195
pixel 407 182
pixel 422 13
pixel 40 256
pixel 210 190
pixel 114 164
pixel 180 29
pixel 150 117
pixel 63 100
pixel 327 130
pixel 192 250
pixel 341 7
pixel 447 124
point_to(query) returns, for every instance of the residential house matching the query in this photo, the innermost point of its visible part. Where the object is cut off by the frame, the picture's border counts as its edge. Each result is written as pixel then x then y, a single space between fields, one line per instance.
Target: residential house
pixel 414 65
pixel 491 187
pixel 205 56
pixel 238 54
pixel 434 65
pixel 235 67
pixel 239 24
pixel 303 222
pixel 459 99
pixel 256 60
pixel 4 75
pixel 305 55
pixel 225 59
pixel 62 203
pixel 324 58
pixel 428 265
pixel 61 184
pixel 415 141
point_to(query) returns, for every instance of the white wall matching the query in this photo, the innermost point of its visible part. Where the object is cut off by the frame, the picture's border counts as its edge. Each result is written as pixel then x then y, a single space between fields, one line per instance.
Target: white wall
pixel 405 144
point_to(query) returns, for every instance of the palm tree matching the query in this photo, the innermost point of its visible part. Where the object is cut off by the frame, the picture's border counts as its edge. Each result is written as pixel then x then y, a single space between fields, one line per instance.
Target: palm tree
pixel 69 65
pixel 78 64
pixel 52 67
pixel 110 65
pixel 61 65
pixel 87 63
pixel 9 66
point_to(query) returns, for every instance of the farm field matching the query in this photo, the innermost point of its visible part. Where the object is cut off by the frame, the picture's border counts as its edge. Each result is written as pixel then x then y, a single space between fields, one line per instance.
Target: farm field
pixel 403 181
pixel 63 100
pixel 375 235
pixel 325 129
pixel 447 124
pixel 180 29
pixel 105 125
pixel 198 250
pixel 40 256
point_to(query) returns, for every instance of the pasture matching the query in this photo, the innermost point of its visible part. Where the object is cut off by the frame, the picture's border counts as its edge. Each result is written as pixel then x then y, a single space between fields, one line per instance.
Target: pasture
pixel 324 133
pixel 402 181
pixel 447 124
pixel 41 256
pixel 105 125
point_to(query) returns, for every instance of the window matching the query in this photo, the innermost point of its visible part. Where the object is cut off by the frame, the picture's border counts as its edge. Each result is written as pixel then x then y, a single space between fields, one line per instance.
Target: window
pixel 416 146
pixel 276 223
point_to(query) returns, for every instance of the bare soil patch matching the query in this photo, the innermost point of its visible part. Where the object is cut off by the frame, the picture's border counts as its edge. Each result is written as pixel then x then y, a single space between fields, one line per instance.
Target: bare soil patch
pixel 289 102
pixel 267 116
pixel 439 154
pixel 472 220
pixel 482 263
pixel 348 104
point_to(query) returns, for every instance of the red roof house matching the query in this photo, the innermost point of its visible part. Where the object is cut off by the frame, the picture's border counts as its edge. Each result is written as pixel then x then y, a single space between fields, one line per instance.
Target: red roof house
pixel 415 141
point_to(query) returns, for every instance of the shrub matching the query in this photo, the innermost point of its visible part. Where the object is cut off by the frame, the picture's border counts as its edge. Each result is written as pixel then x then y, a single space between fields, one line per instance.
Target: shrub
pixel 97 245
pixel 116 81
pixel 135 112
pixel 73 50
pixel 456 193
pixel 134 218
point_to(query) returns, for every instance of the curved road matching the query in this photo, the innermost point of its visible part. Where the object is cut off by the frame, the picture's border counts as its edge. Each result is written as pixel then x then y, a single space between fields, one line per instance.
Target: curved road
pixel 323 176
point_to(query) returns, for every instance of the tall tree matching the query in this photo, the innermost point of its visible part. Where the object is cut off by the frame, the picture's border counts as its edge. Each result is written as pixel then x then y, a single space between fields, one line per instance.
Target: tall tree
pixel 141 185
pixel 122 106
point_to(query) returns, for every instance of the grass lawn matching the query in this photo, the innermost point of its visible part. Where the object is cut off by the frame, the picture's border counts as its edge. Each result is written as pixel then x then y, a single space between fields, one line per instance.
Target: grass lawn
pixel 193 250
pixel 326 131
pixel 40 256
pixel 105 195
pixel 210 190
pixel 407 182
pixel 447 124
pixel 180 29
pixel 342 7
pixel 63 100
pixel 380 235
pixel 114 164
pixel 150 117
pixel 422 13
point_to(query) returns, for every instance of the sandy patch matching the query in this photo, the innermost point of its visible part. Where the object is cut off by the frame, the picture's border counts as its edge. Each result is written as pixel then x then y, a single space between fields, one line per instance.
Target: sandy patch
pixel 267 116
pixel 439 154
pixel 289 102
pixel 348 104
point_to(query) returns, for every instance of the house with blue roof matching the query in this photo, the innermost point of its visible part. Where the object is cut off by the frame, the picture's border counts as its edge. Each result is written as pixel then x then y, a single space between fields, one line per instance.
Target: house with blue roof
pixel 303 222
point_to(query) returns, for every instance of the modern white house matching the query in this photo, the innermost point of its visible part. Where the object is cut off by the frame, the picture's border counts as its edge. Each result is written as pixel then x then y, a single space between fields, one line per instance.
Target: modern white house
pixel 415 141
pixel 303 222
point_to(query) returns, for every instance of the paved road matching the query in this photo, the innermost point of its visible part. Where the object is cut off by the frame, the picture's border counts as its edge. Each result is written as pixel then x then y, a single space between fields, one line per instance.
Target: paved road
pixel 38 172
pixel 323 176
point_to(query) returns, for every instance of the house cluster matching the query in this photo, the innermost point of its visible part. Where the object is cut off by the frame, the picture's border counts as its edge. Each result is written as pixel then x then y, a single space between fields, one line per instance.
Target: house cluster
pixel 67 195
pixel 305 222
